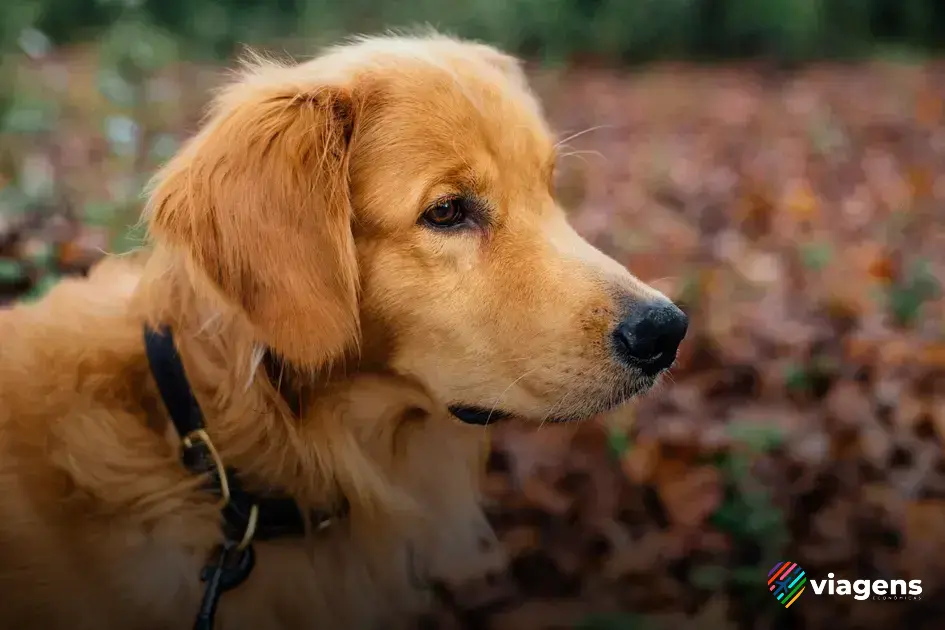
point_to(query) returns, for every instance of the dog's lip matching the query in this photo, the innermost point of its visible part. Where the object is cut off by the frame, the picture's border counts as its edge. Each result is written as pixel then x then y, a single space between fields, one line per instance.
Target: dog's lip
pixel 480 416
pixel 471 414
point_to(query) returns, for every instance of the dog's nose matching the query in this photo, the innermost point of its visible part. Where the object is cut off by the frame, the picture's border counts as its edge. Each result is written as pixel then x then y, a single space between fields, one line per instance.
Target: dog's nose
pixel 649 337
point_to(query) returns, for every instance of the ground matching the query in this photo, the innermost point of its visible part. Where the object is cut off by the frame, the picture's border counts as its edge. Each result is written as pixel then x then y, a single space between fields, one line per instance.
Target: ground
pixel 797 216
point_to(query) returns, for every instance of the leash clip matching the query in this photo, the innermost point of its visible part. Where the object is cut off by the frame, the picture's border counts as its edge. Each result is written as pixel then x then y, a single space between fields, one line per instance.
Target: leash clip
pixel 230 568
pixel 233 561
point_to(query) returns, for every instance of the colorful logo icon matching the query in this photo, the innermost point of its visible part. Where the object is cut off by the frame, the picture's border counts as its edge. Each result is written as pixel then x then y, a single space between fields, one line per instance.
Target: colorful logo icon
pixel 786 582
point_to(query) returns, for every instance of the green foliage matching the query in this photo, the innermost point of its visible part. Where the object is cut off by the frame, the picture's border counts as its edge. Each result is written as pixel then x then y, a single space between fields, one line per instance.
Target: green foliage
pixel 906 297
pixel 816 255
pixel 796 378
pixel 11 271
pixel 131 49
pixel 811 376
pixel 619 442
pixel 748 513
pixel 42 286
pixel 757 437
pixel 129 239
pixel 547 29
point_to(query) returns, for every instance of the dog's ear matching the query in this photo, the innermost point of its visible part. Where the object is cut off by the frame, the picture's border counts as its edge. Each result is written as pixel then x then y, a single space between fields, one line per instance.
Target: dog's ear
pixel 259 202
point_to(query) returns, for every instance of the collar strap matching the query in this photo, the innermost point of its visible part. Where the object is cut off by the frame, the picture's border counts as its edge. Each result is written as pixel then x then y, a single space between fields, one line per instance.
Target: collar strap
pixel 246 516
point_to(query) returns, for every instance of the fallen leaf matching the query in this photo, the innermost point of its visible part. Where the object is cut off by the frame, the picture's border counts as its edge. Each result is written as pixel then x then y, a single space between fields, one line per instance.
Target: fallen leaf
pixel 542 494
pixel 690 495
pixel 928 108
pixel 639 462
pixel 921 183
pixel 521 539
pixel 933 355
pixel 848 406
pixel 801 202
pixel 923 539
pixel 884 269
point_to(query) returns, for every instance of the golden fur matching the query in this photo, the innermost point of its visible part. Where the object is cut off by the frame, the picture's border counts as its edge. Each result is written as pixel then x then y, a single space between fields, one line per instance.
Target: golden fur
pixel 291 222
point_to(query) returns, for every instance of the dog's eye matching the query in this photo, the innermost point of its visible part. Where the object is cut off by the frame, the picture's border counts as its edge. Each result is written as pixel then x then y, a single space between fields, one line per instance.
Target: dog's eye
pixel 446 213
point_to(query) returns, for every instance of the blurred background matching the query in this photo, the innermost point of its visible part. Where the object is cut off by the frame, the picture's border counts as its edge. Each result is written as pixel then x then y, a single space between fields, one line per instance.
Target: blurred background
pixel 776 166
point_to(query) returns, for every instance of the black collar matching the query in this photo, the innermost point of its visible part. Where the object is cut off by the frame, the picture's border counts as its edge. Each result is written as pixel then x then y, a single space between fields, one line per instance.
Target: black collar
pixel 245 516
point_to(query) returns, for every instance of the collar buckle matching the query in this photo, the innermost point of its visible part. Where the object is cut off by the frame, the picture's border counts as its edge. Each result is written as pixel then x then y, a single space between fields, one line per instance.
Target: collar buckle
pixel 200 439
pixel 198 442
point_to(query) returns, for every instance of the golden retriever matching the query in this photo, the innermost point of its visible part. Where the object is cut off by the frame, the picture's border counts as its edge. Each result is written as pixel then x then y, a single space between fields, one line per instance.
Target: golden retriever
pixel 381 218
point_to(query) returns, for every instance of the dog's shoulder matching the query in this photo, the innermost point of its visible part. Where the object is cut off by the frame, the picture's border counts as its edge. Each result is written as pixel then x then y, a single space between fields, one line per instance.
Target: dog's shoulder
pixel 81 337
pixel 75 314
pixel 73 423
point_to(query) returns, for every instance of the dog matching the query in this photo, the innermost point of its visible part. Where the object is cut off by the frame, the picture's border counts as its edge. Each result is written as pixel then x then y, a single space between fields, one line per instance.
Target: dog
pixel 356 265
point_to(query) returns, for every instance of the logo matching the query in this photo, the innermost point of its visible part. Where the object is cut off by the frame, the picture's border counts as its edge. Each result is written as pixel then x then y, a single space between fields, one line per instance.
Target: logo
pixel 787 581
pixel 877 590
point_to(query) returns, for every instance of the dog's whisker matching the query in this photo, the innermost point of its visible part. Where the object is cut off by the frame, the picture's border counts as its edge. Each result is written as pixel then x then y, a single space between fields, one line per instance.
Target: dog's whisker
pixel 579 134
pixel 577 155
pixel 506 390
pixel 581 154
pixel 554 406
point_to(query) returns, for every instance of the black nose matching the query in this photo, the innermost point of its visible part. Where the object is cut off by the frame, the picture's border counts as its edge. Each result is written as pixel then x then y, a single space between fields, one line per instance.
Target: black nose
pixel 649 337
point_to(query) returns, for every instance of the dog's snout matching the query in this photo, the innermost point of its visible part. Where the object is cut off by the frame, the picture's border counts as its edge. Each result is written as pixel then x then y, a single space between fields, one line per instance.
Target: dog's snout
pixel 649 337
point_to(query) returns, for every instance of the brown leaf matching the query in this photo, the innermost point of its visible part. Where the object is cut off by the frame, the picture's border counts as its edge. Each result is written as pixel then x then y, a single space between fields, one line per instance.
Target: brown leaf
pixel 540 493
pixel 640 460
pixel 521 539
pixel 690 495
pixel 623 418
pixel 876 446
pixel 531 451
pixel 812 449
pixel 908 411
pixel 928 108
pixel 924 539
pixel 937 410
pixel 933 355
pixel 802 202
pixel 754 212
pixel 640 558
pixel 88 246
pixel 883 268
pixel 921 183
pixel 847 405
pixel 898 351
pixel 842 307
pixel 832 526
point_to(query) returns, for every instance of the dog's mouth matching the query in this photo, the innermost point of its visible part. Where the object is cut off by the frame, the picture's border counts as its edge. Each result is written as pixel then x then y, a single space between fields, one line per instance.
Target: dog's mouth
pixel 478 415
pixel 482 416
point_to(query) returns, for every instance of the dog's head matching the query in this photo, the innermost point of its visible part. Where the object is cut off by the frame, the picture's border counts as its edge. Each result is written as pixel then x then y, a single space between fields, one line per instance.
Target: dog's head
pixel 392 201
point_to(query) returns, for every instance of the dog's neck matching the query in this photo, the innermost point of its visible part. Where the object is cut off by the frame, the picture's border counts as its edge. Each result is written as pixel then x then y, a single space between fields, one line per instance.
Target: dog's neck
pixel 300 439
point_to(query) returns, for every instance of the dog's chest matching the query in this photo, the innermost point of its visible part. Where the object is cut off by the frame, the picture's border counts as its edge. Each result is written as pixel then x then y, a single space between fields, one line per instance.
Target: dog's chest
pixel 160 581
pixel 291 587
